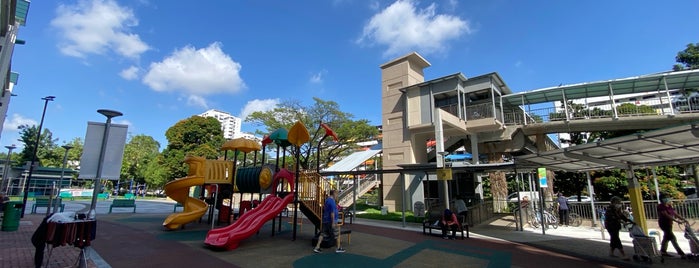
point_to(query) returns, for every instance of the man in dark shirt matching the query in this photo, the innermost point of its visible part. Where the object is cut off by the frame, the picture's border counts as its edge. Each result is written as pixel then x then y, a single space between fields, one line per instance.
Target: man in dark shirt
pixel 666 217
pixel 329 222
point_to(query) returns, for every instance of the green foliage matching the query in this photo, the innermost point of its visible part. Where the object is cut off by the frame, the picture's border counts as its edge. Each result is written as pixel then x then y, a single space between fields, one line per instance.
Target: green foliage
pixel 375 214
pixel 570 183
pixel 45 155
pixel 287 113
pixel 196 136
pixel 687 58
pixel 139 152
pixel 609 183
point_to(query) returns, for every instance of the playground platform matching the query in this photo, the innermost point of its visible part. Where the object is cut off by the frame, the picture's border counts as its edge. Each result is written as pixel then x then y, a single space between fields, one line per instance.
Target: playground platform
pixel 139 240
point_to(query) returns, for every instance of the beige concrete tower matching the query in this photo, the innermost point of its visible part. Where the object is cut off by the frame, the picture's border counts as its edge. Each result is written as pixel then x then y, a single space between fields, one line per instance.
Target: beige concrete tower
pixel 397 146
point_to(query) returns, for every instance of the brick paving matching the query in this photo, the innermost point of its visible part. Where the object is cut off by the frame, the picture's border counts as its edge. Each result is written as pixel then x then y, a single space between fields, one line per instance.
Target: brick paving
pixel 126 239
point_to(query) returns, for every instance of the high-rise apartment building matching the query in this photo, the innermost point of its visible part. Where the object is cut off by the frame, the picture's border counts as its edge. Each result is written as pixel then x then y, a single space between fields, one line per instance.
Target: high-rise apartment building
pixel 230 125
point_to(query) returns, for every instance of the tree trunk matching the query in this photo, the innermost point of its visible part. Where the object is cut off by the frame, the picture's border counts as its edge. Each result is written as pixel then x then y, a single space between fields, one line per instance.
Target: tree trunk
pixel 498 185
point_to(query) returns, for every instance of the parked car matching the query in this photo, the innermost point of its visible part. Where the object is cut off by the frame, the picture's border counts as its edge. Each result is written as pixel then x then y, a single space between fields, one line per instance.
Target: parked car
pixel 583 198
pixel 512 198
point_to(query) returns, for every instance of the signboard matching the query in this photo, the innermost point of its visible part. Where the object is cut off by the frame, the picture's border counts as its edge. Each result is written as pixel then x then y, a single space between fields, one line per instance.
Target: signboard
pixel 542 177
pixel 444 174
pixel 113 155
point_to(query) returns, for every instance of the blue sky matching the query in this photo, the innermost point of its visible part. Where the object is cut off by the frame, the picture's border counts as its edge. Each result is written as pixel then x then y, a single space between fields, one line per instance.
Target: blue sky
pixel 159 62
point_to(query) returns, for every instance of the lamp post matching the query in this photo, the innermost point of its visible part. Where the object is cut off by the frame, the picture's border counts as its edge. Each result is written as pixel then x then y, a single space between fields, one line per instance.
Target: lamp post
pixel 5 172
pixel 36 147
pixel 97 187
pixel 60 181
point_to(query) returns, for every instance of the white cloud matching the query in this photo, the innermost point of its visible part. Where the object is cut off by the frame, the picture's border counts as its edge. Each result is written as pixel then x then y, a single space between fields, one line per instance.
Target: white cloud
pixel 258 105
pixel 402 28
pixel 317 78
pixel 196 73
pixel 97 27
pixel 130 73
pixel 16 121
pixel 194 100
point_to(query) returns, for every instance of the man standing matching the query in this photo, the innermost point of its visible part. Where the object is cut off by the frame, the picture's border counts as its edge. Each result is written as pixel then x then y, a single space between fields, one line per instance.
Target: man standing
pixel 329 222
pixel 562 209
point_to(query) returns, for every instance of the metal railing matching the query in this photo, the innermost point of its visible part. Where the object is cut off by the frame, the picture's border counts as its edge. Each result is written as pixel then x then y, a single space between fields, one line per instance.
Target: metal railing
pixel 688 208
pixel 480 213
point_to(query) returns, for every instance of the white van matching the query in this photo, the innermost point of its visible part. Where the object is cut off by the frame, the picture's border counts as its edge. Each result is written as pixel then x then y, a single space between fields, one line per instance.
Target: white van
pixel 513 196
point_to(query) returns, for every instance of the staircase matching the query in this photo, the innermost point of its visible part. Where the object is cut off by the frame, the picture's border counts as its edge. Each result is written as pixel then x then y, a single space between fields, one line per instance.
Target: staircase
pixel 311 196
pixel 346 198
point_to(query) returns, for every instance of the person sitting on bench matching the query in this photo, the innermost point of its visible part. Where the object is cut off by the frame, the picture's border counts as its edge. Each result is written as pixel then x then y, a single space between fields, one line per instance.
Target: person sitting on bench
pixel 449 221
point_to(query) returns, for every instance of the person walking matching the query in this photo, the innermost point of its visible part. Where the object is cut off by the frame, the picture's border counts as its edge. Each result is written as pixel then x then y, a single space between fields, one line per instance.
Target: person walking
pixel 329 223
pixel 613 217
pixel 666 218
pixel 562 209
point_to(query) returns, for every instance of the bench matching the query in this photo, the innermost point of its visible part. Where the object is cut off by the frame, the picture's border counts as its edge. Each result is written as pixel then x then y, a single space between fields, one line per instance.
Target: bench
pixel 433 218
pixel 129 196
pixel 123 203
pixel 44 202
pixel 67 195
pixel 103 196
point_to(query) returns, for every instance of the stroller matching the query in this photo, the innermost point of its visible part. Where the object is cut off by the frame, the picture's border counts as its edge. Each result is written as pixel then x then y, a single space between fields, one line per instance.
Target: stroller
pixel 693 242
pixel 645 248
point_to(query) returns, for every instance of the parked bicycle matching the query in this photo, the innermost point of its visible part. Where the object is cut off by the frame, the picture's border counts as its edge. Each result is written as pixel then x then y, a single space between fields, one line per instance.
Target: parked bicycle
pixel 574 219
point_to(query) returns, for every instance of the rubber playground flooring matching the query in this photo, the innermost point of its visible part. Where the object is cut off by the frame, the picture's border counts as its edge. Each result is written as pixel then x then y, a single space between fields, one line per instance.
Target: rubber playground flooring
pixel 139 240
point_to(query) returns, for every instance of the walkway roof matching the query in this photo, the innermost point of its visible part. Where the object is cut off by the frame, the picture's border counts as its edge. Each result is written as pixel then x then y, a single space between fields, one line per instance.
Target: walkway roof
pixel 630 85
pixel 352 161
pixel 670 146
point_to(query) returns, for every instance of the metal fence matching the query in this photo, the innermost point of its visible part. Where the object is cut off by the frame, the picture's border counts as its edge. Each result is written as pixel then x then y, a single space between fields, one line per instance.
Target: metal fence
pixel 688 208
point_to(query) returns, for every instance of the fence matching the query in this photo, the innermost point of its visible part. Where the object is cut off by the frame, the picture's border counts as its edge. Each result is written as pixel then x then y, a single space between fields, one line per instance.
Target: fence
pixel 480 213
pixel 688 208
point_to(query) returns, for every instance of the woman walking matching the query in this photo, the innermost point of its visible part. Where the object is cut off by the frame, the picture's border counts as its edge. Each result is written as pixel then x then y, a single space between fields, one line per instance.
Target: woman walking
pixel 613 218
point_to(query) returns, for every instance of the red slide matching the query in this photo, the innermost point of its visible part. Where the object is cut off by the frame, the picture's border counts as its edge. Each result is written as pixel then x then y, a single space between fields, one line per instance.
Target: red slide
pixel 229 237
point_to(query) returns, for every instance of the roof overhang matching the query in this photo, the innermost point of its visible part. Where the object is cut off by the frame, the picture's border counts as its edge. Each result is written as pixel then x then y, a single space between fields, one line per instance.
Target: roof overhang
pixel 630 85
pixel 677 145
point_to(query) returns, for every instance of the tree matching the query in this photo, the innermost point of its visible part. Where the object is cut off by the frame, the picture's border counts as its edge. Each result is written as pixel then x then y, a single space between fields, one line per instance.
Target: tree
pixel 196 136
pixel 569 183
pixel 623 109
pixel 45 154
pixel 348 131
pixel 687 59
pixel 139 152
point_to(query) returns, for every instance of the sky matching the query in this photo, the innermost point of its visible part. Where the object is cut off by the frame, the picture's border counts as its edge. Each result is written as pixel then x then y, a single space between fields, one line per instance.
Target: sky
pixel 159 62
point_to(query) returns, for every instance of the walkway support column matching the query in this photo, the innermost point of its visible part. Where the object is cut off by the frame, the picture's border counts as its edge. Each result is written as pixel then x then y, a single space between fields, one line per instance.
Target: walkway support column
pixel 639 214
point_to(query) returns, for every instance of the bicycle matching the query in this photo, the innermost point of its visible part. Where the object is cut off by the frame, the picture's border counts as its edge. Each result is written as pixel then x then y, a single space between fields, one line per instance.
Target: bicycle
pixel 549 219
pixel 574 219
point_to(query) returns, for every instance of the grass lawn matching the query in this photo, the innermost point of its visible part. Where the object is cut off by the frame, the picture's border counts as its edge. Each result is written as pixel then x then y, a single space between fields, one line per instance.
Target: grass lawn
pixel 374 212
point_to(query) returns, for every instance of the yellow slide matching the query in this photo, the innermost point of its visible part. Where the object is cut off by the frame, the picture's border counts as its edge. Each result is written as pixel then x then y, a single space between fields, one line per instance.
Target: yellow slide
pixel 194 208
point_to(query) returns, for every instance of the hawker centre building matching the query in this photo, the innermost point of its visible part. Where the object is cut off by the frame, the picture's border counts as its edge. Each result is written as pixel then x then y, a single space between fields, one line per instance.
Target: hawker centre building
pixel 483 116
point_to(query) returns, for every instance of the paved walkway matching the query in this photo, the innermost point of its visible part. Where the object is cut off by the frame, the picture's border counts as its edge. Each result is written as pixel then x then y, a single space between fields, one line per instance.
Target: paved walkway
pixel 125 239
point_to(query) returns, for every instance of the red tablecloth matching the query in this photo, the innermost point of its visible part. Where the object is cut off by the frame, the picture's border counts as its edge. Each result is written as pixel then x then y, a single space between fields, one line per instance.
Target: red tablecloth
pixel 78 233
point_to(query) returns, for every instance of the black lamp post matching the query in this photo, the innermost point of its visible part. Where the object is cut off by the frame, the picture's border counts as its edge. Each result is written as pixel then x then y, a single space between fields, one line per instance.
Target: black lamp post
pixel 97 187
pixel 60 181
pixel 36 147
pixel 6 172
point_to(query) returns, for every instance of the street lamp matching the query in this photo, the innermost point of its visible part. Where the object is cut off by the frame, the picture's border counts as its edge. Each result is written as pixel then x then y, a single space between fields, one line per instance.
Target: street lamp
pixel 5 172
pixel 97 187
pixel 34 150
pixel 60 181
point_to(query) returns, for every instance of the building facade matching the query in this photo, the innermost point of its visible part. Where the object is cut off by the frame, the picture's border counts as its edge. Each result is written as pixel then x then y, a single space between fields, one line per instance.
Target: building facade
pixel 13 14
pixel 230 125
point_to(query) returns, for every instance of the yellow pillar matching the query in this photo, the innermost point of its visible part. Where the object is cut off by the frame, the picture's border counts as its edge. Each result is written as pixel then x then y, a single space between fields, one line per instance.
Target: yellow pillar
pixel 639 214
